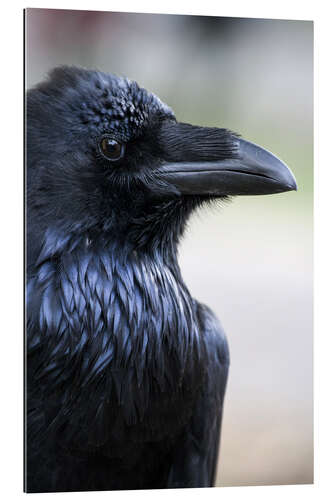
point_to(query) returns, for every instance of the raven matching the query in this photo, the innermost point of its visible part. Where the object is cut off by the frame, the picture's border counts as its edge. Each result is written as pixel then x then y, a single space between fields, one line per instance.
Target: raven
pixel 126 372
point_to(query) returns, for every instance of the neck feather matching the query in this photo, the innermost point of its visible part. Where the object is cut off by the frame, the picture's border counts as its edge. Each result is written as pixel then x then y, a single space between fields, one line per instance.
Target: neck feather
pixel 103 311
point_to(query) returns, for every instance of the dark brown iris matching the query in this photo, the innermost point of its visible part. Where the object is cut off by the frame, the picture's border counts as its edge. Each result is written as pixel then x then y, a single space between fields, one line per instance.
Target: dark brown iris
pixel 111 149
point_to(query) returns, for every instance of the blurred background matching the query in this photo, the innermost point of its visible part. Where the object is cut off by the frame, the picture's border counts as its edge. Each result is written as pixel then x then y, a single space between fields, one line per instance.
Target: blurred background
pixel 250 260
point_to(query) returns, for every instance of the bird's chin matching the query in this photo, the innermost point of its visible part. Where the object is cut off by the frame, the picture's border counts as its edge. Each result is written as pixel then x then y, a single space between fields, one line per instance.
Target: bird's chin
pixel 254 171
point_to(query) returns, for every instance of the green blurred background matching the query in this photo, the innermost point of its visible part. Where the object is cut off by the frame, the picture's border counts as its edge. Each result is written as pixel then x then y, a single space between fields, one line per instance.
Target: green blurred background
pixel 250 260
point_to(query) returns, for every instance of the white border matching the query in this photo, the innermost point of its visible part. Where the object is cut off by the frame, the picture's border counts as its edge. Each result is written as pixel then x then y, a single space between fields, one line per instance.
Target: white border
pixel 11 237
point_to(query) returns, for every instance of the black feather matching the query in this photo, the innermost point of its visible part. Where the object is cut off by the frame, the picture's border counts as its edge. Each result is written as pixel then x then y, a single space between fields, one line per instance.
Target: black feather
pixel 126 372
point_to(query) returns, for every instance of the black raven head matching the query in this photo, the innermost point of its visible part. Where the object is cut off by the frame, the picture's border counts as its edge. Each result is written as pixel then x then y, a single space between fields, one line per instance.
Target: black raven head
pixel 105 154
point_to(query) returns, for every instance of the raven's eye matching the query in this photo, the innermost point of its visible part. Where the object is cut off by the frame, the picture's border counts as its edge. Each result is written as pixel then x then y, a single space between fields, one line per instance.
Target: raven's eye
pixel 111 149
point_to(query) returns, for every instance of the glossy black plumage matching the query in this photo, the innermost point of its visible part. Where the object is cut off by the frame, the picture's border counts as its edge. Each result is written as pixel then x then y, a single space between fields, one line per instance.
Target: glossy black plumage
pixel 126 372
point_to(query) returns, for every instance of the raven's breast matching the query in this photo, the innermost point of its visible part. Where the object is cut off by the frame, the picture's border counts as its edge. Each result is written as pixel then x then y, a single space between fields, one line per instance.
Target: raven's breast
pixel 114 346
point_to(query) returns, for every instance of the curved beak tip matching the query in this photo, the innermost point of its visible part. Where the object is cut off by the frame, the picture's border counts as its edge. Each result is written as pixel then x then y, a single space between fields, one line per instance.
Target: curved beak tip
pixel 291 184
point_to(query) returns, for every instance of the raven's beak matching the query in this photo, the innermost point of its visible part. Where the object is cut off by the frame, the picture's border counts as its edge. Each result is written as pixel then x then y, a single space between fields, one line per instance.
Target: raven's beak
pixel 250 171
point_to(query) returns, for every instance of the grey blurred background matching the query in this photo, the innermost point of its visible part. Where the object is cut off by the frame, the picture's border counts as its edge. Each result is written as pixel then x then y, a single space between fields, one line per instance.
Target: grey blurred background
pixel 250 260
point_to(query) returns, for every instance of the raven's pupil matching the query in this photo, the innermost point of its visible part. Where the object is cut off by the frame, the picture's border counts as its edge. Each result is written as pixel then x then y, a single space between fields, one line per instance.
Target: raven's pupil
pixel 111 148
